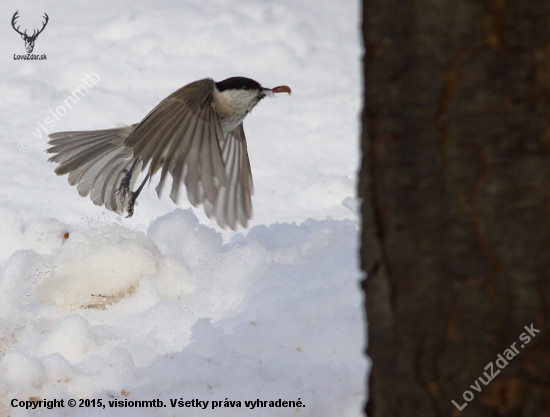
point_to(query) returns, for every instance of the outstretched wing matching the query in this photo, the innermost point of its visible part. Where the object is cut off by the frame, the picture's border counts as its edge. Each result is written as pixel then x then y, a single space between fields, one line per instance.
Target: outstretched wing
pixel 233 202
pixel 183 136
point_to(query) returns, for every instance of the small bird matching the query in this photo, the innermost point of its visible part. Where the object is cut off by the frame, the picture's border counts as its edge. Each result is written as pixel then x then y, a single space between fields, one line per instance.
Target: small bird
pixel 195 134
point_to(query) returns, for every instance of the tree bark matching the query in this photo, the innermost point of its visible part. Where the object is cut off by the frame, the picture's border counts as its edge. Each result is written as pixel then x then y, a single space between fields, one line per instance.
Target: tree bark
pixel 455 182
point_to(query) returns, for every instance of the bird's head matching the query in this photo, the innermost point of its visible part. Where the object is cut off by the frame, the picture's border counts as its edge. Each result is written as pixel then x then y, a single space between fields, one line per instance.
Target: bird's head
pixel 244 93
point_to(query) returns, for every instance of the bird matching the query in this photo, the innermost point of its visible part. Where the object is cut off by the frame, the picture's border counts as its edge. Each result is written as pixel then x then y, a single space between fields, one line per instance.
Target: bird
pixel 195 134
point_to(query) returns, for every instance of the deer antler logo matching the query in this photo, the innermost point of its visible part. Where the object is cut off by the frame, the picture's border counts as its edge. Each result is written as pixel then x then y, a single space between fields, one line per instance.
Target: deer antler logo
pixel 29 40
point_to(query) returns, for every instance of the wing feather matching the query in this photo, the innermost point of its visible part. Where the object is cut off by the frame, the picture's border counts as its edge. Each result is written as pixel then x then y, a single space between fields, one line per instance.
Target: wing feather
pixel 182 136
pixel 234 201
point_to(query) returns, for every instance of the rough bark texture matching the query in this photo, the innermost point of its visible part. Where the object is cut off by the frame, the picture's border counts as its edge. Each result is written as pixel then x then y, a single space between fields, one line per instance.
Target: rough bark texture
pixel 455 182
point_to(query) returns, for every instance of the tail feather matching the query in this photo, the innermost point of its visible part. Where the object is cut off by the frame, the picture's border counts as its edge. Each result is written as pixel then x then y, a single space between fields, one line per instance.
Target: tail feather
pixel 68 144
pixel 95 161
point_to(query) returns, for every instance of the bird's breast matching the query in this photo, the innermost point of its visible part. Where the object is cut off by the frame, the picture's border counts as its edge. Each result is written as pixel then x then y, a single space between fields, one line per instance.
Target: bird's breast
pixel 231 107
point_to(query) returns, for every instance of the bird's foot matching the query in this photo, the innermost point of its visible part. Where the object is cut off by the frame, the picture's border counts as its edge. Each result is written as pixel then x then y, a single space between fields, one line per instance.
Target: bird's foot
pixel 131 203
pixel 124 187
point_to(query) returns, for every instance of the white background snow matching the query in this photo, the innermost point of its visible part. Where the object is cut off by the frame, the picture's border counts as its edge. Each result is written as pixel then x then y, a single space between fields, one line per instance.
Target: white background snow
pixel 165 304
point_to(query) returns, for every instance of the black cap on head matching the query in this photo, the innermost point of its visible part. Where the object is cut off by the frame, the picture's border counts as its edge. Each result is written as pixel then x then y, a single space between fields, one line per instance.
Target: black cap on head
pixel 238 83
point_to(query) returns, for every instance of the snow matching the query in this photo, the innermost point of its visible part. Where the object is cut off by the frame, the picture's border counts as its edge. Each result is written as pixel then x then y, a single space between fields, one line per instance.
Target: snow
pixel 166 305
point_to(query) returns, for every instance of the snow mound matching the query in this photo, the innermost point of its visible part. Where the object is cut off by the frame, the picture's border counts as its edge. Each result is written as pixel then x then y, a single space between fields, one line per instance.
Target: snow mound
pixel 108 312
pixel 106 264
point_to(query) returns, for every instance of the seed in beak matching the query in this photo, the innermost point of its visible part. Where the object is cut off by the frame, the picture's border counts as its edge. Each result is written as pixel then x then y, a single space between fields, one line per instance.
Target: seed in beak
pixel 282 89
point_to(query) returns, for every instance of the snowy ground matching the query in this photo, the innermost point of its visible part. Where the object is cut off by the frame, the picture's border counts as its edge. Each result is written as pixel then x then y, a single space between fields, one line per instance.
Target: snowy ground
pixel 165 305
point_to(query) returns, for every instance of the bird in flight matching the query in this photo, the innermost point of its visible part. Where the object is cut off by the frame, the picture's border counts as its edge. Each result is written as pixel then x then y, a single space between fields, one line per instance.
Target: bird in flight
pixel 195 134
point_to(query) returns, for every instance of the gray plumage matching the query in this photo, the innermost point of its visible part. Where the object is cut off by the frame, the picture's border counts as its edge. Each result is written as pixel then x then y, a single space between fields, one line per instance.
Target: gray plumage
pixel 195 135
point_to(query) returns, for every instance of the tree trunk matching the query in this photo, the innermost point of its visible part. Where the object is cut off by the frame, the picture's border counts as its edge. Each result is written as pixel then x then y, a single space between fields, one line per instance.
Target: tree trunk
pixel 455 182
